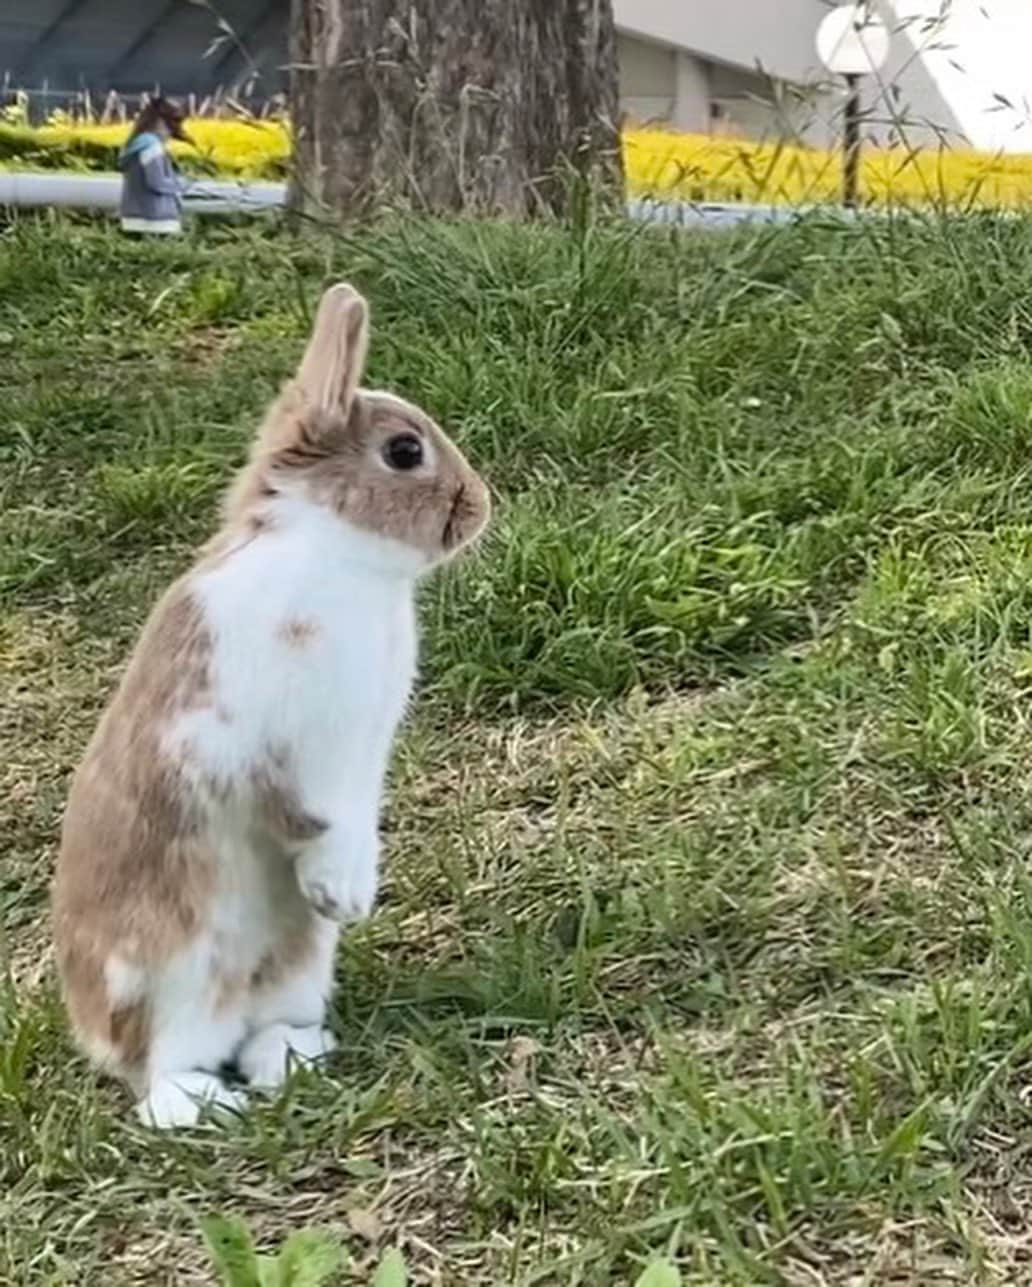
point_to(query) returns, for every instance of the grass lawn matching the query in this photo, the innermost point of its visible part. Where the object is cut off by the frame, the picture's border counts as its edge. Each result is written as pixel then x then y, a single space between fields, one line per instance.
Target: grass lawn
pixel 707 928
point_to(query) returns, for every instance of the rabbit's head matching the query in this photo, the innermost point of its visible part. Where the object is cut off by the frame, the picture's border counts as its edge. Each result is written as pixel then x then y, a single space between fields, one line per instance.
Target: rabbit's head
pixel 380 463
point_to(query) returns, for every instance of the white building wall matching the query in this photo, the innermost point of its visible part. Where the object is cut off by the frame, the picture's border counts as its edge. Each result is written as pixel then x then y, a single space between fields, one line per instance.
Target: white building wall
pixel 750 68
pixel 777 33
pixel 693 97
pixel 648 79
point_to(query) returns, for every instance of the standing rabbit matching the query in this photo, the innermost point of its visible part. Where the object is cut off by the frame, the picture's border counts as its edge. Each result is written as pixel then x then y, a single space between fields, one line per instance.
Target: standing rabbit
pixel 224 819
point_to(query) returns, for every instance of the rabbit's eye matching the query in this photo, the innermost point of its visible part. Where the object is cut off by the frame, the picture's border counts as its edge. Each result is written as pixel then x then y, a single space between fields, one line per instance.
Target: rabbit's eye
pixel 404 451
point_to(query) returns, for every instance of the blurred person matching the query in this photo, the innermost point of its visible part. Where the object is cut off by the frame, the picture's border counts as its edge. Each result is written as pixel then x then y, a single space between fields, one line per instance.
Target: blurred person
pixel 152 189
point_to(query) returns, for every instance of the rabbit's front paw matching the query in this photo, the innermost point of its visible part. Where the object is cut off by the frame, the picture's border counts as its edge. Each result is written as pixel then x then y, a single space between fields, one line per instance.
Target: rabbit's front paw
pixel 338 889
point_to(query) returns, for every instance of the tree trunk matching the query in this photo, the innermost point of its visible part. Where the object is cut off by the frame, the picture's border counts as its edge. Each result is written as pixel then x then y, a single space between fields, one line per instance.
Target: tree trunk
pixel 485 105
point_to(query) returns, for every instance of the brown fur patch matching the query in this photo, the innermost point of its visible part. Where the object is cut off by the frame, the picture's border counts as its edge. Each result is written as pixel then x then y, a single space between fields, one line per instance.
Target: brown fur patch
pixel 291 953
pixel 124 1030
pixel 294 946
pixel 282 809
pixel 130 1033
pixel 134 877
pixel 297 632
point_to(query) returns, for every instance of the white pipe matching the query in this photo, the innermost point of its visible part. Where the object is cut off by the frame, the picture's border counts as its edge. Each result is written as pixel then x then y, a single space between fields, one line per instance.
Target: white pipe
pixel 204 196
pixel 713 214
pixel 103 191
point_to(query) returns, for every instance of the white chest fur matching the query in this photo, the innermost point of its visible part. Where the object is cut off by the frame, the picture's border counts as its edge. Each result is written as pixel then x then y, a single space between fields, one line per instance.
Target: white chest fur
pixel 313 658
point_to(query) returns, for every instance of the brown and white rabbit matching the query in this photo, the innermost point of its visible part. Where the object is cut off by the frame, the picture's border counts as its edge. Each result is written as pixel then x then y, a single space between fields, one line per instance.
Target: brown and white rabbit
pixel 224 819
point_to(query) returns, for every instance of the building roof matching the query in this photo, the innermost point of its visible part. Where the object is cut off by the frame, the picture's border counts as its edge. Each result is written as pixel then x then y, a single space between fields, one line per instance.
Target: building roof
pixel 133 45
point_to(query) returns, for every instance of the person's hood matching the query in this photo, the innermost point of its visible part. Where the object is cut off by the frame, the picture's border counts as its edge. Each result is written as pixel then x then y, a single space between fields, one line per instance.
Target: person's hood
pixel 135 146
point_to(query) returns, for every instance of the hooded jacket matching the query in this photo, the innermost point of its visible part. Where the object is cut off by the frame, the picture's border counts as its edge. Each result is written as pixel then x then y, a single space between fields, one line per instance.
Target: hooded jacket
pixel 151 187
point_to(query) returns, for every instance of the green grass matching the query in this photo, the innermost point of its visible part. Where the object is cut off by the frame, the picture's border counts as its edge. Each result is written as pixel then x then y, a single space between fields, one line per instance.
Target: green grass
pixel 708 921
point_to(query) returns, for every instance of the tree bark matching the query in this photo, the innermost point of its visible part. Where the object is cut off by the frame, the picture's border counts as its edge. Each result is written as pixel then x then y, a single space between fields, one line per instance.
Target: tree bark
pixel 446 105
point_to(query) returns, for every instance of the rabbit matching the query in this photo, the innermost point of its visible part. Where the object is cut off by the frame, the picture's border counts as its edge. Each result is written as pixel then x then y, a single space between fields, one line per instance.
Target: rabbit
pixel 223 821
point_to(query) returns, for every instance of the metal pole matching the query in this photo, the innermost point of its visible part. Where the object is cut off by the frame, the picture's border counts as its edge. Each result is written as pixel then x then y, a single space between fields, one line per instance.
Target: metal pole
pixel 851 142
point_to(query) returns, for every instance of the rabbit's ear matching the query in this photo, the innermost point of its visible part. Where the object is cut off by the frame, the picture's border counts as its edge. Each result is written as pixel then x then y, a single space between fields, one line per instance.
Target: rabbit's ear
pixel 332 366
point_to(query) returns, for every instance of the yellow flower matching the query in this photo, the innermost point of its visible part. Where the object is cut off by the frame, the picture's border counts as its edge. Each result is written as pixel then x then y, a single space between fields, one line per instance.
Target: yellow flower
pixel 240 148
pixel 699 167
pixel 659 163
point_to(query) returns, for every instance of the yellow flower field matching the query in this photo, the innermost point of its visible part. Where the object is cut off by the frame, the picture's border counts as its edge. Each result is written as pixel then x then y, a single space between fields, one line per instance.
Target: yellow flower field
pixel 659 163
pixel 704 168
pixel 247 149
